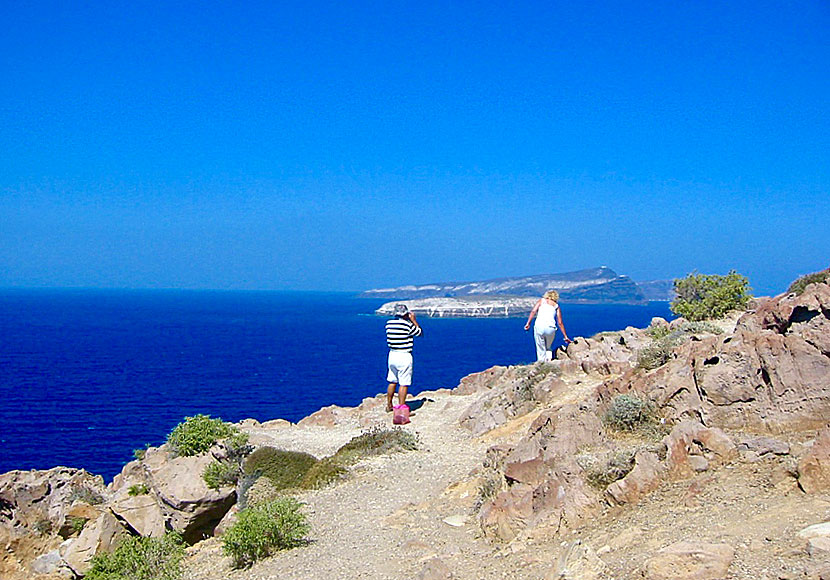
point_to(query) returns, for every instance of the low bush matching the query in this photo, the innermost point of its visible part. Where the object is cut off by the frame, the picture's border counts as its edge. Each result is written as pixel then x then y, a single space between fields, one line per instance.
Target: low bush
pixel 86 495
pixel 285 469
pixel 376 441
pixel 221 474
pixel 703 296
pixel 658 352
pixel 629 413
pixel 600 472
pixel 138 558
pixel 199 433
pixel 800 284
pixel 261 530
pixel 324 472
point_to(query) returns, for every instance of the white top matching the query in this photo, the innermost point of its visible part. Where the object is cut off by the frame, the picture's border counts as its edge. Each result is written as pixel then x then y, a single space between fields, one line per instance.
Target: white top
pixel 546 315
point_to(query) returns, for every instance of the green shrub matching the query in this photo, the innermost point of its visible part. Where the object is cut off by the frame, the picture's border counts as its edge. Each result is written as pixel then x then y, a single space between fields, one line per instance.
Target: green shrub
pixel 221 474
pixel 198 434
pixel 76 524
pixel 140 453
pixel 699 327
pixel 285 469
pixel 324 472
pixel 800 284
pixel 141 559
pixel 602 472
pixel 376 441
pixel 262 529
pixel 138 489
pixel 658 352
pixel 629 413
pixel 703 296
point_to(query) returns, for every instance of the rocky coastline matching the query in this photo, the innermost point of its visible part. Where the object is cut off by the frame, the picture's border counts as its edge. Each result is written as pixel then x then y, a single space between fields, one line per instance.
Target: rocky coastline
pixel 513 477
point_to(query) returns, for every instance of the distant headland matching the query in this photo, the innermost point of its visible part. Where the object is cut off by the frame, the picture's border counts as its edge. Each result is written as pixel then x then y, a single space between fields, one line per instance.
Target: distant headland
pixel 502 297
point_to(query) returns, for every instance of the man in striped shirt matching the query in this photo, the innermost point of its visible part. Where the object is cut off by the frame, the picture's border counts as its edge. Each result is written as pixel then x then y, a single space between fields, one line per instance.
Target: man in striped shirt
pixel 400 335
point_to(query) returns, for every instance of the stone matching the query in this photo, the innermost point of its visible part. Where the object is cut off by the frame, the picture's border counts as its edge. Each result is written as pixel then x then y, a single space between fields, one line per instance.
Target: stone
pixel 814 465
pixel 579 562
pixel 142 513
pixel 102 535
pixel 690 561
pixel 435 569
pixel 48 563
pixel 189 506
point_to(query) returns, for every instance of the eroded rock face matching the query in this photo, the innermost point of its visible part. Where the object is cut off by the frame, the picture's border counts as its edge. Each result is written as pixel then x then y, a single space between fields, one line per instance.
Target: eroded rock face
pixel 772 375
pixel 41 499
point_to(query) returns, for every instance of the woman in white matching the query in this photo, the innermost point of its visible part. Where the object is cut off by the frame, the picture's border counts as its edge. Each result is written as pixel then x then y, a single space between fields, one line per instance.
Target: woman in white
pixel 547 314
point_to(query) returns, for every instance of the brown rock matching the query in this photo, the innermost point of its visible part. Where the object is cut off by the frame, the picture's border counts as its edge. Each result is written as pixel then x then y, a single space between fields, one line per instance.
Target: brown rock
pixel 99 536
pixel 435 569
pixel 690 561
pixel 814 466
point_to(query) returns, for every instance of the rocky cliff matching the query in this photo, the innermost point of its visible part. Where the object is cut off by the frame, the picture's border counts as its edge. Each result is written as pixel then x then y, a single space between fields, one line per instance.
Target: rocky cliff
pixel 520 471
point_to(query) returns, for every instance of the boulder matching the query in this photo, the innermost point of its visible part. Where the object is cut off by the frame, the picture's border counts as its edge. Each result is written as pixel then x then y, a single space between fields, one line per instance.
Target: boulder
pixel 579 562
pixel 101 535
pixel 814 465
pixel 644 478
pixel 690 561
pixel 189 506
pixel 141 513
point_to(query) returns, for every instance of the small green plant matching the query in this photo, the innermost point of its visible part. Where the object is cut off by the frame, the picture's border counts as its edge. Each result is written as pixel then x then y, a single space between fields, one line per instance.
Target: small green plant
pixel 199 433
pixel 699 327
pixel 261 530
pixel 800 284
pixel 76 524
pixel 488 488
pixel 86 495
pixel 139 454
pixel 629 413
pixel 221 474
pixel 658 331
pixel 138 489
pixel 704 296
pixel 377 441
pixel 138 558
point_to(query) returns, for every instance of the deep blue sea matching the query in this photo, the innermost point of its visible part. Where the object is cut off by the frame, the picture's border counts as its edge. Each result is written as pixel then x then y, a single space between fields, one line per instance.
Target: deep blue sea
pixel 87 376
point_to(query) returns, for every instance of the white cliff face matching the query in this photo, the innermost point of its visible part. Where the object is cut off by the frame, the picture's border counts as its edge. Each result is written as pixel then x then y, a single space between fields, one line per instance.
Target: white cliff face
pixel 474 307
pixel 593 285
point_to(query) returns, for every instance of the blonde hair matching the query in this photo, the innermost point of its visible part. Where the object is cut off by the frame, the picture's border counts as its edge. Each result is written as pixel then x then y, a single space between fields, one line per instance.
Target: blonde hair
pixel 552 295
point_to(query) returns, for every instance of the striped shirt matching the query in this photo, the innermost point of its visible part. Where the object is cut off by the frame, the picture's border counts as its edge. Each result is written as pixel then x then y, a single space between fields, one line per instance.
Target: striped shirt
pixel 400 334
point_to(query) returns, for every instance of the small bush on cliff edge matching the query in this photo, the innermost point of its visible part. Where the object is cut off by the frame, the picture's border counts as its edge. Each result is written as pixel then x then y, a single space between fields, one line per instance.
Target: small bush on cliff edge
pixel 138 558
pixel 199 433
pixel 263 529
pixel 800 284
pixel 629 413
pixel 704 296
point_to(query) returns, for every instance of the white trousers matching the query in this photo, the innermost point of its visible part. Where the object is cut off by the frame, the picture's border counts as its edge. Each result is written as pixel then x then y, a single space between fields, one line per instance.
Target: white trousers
pixel 543 336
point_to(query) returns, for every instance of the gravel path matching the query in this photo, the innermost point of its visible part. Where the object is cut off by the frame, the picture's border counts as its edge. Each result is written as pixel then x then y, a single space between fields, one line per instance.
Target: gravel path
pixel 388 520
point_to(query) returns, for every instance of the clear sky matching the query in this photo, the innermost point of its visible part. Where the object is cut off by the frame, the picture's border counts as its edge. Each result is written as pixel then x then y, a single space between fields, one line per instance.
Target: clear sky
pixel 350 145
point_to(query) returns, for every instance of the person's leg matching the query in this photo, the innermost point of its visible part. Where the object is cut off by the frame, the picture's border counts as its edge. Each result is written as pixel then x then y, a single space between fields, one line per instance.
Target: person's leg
pixel 549 335
pixel 390 392
pixel 391 378
pixel 541 345
pixel 402 392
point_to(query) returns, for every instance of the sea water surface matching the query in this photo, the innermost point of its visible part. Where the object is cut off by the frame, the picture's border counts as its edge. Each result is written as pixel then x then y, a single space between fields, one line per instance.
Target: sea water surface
pixel 88 376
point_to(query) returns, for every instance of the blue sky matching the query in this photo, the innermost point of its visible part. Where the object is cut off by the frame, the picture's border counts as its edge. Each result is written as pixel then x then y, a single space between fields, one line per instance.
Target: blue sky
pixel 342 146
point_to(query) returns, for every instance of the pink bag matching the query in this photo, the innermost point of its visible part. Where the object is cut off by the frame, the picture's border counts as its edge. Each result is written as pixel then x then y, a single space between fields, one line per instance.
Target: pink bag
pixel 400 416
